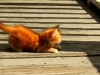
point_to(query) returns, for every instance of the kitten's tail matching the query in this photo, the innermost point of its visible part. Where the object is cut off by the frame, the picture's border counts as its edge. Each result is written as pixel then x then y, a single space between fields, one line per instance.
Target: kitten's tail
pixel 6 28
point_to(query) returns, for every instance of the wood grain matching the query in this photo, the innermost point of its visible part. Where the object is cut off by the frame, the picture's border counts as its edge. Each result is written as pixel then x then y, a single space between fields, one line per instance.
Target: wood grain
pixel 62 66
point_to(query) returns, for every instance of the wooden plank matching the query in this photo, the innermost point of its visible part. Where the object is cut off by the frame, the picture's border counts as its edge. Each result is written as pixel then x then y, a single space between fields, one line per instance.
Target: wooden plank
pixel 5 53
pixel 43 2
pixel 16 55
pixel 63 11
pixel 81 38
pixel 3 36
pixel 31 20
pixel 38 1
pixel 40 15
pixel 3 42
pixel 75 12
pixel 80 32
pixel 62 66
pixel 62 26
pixel 58 60
pixel 66 31
pixel 41 7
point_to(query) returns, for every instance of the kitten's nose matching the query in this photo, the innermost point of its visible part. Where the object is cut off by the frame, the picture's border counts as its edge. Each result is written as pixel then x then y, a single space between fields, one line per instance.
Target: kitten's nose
pixel 57 46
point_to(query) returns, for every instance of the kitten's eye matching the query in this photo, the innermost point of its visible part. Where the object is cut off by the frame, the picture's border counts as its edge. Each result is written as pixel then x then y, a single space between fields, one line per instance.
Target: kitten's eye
pixel 58 37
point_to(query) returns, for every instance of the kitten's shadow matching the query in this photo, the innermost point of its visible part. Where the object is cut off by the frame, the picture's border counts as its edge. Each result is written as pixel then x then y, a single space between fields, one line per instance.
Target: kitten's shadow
pixel 5 48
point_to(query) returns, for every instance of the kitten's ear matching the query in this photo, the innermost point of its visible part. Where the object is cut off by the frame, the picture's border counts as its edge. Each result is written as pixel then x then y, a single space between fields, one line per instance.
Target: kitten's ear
pixel 55 30
pixel 53 33
pixel 56 26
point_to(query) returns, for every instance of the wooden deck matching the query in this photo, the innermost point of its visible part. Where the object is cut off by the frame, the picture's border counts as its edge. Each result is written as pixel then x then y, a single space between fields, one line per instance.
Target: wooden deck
pixel 80 27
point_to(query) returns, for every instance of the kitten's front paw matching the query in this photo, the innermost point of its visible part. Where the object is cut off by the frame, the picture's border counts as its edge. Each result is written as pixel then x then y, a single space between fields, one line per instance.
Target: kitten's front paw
pixel 52 50
pixel 55 51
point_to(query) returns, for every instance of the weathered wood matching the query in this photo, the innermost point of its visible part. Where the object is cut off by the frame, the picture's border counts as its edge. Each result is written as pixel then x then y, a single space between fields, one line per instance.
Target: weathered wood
pixel 19 55
pixel 34 15
pixel 9 54
pixel 38 1
pixel 63 11
pixel 30 20
pixel 44 2
pixel 41 7
pixel 80 34
pixel 62 26
pixel 62 66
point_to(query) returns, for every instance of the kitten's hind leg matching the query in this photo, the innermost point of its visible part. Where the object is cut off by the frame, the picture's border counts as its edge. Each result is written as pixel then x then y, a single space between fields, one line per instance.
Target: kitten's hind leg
pixel 18 50
pixel 15 48
pixel 14 44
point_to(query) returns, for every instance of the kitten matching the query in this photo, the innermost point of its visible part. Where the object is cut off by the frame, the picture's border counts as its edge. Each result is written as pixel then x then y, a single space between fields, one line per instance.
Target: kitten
pixel 22 38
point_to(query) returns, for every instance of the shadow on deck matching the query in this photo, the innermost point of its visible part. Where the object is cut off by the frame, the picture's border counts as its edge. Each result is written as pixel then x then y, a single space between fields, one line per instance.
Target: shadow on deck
pixel 91 48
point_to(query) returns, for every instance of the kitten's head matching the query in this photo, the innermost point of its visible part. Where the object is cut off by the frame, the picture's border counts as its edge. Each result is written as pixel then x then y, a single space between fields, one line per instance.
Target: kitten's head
pixel 53 36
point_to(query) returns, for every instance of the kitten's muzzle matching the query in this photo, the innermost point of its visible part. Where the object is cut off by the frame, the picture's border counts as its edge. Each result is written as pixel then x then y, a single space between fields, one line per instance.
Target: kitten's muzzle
pixel 57 46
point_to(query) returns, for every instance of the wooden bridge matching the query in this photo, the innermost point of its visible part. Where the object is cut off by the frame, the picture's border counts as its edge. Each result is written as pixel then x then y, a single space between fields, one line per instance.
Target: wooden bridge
pixel 80 28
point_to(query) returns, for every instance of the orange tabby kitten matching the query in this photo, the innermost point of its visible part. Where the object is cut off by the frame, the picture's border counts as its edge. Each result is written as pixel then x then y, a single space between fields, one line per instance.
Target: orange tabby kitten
pixel 22 38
